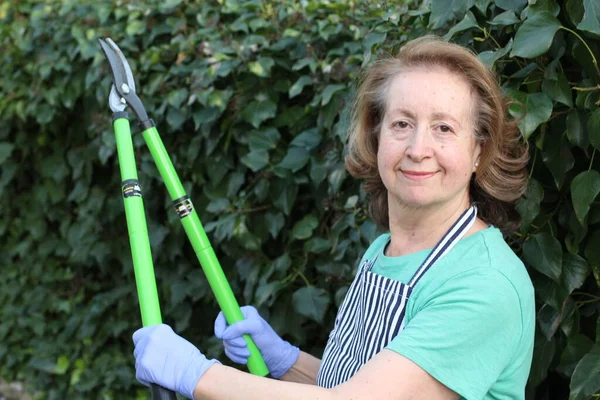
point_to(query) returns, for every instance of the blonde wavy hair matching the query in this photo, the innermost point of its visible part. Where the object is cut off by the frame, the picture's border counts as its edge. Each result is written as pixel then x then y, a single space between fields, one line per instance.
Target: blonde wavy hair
pixel 501 177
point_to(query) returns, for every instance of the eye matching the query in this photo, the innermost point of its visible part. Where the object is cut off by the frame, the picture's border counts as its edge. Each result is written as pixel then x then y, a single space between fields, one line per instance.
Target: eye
pixel 445 129
pixel 400 124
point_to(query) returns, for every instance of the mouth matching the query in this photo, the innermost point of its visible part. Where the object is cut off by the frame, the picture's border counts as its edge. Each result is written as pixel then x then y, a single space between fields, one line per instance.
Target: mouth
pixel 417 175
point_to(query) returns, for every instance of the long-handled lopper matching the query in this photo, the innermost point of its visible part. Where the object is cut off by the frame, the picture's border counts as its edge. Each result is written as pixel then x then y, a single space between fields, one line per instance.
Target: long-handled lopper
pixel 122 94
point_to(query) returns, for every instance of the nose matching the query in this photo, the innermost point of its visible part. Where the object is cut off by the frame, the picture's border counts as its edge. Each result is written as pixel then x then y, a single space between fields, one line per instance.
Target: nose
pixel 419 145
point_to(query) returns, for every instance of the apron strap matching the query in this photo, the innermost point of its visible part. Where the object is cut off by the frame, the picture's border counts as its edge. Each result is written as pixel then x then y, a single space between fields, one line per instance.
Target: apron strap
pixel 454 234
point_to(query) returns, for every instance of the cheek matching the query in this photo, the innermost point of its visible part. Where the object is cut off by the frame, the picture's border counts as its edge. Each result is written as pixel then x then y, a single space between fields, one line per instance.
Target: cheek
pixel 457 165
pixel 386 155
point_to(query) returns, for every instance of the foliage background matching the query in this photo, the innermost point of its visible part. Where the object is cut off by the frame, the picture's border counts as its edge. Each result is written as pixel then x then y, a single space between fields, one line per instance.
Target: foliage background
pixel 251 100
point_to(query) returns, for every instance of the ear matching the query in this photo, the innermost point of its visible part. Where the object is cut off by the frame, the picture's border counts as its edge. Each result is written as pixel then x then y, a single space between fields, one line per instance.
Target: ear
pixel 476 155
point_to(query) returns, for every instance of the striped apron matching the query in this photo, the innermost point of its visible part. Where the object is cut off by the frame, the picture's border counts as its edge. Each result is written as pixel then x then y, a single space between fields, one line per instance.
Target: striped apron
pixel 372 312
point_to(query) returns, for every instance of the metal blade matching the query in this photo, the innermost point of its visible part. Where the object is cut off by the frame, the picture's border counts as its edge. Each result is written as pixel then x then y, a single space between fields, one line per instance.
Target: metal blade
pixel 119 67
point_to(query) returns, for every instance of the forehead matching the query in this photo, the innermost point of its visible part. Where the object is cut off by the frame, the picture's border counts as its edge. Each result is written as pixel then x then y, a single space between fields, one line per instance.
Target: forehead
pixel 431 90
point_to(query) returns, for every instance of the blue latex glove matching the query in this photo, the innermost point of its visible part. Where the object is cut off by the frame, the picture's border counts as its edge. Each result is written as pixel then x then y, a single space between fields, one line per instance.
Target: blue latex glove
pixel 167 359
pixel 278 354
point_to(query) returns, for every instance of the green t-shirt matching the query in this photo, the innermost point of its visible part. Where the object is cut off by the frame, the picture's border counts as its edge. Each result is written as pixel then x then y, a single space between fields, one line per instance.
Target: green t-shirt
pixel 470 319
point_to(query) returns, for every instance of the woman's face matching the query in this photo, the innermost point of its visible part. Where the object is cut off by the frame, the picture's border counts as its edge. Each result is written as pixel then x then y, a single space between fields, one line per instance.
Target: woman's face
pixel 427 148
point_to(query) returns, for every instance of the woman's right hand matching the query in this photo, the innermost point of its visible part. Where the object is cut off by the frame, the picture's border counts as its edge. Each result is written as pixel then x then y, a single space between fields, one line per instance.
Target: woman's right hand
pixel 278 354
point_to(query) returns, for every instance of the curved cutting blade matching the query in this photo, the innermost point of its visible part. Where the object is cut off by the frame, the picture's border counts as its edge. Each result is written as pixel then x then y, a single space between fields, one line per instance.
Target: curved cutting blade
pixel 119 67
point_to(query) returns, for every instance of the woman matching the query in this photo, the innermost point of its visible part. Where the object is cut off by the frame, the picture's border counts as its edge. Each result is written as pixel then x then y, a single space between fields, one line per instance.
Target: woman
pixel 440 308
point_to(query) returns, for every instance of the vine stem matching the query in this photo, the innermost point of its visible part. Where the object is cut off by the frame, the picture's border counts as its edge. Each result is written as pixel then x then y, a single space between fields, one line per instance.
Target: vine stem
pixel 533 163
pixel 584 302
pixel 594 61
pixel 301 275
pixel 586 89
pixel 586 294
pixel 592 160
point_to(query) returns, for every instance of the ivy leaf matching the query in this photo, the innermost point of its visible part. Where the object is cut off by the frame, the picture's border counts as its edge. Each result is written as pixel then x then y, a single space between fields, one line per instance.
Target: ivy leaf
pixel 318 171
pixel 558 90
pixel 329 91
pixel 467 22
pixel 510 4
pixel 284 195
pixel 5 151
pixel 577 233
pixel 175 118
pixel 263 139
pixel 586 376
pixel 538 108
pixel 295 159
pixel 317 245
pixel 177 97
pixel 256 159
pixel 373 38
pixel 482 5
pixel 594 128
pixel 577 346
pixel 575 130
pixel 135 27
pixel 528 205
pixel 535 36
pixel 574 10
pixel 304 228
pixel 543 252
pixel 43 365
pixel 548 321
pixel 308 139
pixel 543 353
pixel 584 189
pixel 557 156
pixel 239 26
pixel 443 11
pixel 592 250
pixel 45 114
pixel 489 57
pixel 298 86
pixel 549 291
pixel 574 271
pixel 262 67
pixel 311 302
pixel 275 221
pixel 218 205
pixel 220 99
pixel 537 6
pixel 591 17
pixel 508 17
pixel 259 111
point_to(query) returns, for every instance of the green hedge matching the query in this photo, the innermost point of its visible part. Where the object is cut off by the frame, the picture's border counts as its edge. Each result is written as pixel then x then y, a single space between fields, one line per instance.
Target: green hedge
pixel 251 100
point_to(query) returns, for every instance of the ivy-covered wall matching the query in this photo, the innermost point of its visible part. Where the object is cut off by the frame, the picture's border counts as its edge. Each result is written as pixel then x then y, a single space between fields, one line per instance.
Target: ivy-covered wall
pixel 250 98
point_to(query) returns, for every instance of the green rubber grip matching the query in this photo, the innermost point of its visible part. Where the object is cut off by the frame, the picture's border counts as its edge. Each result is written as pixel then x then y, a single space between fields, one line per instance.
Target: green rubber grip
pixel 202 247
pixel 136 226
pixel 141 253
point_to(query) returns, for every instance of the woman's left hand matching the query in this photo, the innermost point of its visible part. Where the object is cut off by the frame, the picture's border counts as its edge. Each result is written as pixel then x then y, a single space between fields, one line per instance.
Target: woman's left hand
pixel 167 359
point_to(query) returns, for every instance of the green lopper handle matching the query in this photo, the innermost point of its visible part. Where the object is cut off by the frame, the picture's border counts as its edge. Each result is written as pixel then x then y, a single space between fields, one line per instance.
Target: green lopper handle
pixel 138 235
pixel 202 247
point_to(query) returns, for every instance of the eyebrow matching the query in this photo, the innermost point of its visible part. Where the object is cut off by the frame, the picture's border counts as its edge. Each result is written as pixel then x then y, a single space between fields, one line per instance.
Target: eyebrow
pixel 404 111
pixel 436 115
pixel 442 115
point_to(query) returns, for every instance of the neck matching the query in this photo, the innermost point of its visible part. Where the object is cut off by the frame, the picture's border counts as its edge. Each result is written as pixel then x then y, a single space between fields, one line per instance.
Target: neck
pixel 414 229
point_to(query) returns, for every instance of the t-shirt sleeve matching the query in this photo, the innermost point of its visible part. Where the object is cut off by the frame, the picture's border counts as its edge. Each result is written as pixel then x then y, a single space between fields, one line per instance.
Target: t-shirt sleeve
pixel 465 333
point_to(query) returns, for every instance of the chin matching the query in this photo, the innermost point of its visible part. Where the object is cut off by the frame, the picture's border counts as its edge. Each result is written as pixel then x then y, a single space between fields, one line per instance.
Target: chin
pixel 416 201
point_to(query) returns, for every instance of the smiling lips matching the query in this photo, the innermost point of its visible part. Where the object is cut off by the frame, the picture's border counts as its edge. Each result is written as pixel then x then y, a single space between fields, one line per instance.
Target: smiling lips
pixel 417 175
